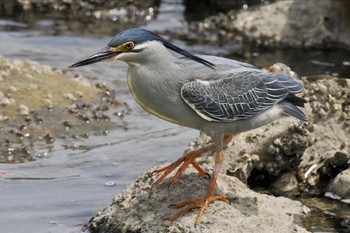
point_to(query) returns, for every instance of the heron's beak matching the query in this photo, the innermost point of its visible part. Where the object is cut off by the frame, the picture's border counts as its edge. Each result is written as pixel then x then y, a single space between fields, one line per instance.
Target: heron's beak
pixel 103 55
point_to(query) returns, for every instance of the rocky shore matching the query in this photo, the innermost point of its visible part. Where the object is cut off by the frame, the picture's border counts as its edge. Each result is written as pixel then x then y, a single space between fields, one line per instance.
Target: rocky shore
pixel 39 104
pixel 287 156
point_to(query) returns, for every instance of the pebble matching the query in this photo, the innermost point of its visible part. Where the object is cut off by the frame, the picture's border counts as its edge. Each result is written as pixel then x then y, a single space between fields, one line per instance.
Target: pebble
pixel 3 118
pixel 326 107
pixel 12 89
pixel 286 182
pixel 79 93
pixel 23 110
pixel 312 98
pixel 336 107
pixel 322 113
pixel 70 96
pixel 33 87
pixel 6 101
pixel 48 102
pixel 3 73
pixel 29 76
pixel 277 141
pixel 322 88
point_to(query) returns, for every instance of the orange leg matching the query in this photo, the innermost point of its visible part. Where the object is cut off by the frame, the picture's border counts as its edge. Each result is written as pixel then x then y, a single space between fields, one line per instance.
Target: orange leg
pixel 185 160
pixel 188 159
pixel 203 203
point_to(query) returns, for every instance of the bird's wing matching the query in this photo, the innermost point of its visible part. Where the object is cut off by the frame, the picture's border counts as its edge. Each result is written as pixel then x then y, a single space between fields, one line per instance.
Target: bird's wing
pixel 239 95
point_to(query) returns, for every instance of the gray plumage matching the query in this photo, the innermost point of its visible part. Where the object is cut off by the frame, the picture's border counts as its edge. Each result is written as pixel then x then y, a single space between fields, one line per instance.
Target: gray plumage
pixel 212 94
pixel 240 95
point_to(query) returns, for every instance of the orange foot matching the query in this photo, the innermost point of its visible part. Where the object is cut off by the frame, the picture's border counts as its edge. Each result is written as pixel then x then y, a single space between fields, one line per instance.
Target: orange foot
pixel 185 160
pixel 201 203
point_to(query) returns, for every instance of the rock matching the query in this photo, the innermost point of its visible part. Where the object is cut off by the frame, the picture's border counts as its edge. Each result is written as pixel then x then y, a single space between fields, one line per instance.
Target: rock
pixel 23 110
pixel 241 167
pixel 329 153
pixel 286 183
pixel 346 222
pixel 6 101
pixel 26 122
pixel 309 23
pixel 85 16
pixel 44 82
pixel 219 5
pixel 341 184
pixel 144 208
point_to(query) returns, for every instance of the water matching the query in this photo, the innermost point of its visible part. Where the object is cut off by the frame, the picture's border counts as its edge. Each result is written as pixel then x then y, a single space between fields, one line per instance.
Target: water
pixel 61 190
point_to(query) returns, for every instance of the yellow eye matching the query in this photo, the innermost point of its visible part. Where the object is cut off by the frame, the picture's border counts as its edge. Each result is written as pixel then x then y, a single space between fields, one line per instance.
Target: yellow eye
pixel 129 46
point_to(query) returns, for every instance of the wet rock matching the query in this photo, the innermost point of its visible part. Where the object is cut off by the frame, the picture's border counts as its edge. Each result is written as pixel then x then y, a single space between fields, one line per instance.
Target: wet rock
pixel 346 222
pixel 143 208
pixel 44 82
pixel 283 23
pixel 23 110
pixel 96 8
pixel 70 96
pixel 6 101
pixel 219 5
pixel 286 183
pixel 84 16
pixel 341 184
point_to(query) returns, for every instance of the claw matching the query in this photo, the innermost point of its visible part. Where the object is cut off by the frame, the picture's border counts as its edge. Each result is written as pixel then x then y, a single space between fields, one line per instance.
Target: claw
pixel 183 164
pixel 201 203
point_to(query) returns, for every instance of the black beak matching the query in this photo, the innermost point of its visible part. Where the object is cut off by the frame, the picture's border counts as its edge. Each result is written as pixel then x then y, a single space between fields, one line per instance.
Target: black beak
pixel 102 55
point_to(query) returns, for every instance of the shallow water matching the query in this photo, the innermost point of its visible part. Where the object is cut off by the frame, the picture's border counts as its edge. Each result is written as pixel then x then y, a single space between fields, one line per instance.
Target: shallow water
pixel 62 189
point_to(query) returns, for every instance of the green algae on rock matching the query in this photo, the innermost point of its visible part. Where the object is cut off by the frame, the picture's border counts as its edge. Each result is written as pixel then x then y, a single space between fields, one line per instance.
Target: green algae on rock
pixel 27 85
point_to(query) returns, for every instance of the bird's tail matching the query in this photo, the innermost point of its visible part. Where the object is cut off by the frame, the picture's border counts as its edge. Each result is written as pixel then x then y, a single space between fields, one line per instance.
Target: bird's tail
pixel 290 109
pixel 296 100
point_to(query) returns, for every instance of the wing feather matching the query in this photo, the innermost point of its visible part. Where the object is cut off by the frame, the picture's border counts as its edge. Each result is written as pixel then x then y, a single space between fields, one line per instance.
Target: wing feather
pixel 239 95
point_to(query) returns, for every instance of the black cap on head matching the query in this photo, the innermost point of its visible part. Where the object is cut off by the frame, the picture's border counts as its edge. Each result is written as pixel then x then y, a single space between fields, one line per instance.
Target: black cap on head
pixel 136 35
pixel 140 35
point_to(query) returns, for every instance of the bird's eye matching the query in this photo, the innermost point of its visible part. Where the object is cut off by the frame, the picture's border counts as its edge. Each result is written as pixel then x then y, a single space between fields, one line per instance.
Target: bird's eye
pixel 129 45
